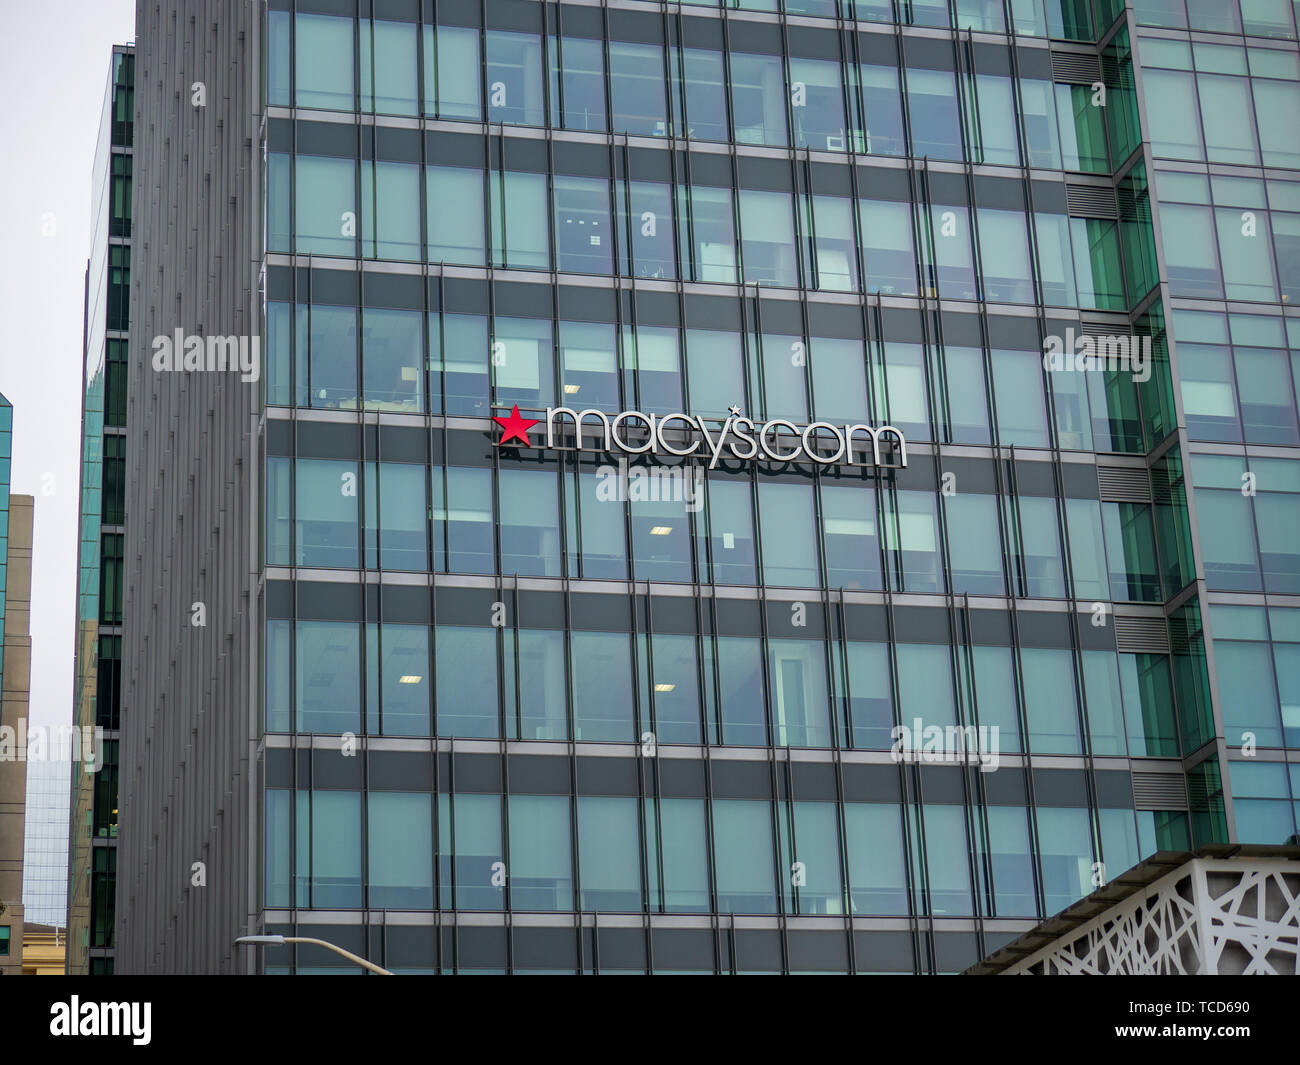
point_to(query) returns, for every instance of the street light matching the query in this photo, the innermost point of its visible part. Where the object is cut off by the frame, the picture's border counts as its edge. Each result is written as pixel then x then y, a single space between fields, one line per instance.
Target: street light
pixel 279 941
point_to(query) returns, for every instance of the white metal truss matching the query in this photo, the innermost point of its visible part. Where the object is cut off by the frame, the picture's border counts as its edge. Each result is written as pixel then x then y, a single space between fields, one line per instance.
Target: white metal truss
pixel 1210 916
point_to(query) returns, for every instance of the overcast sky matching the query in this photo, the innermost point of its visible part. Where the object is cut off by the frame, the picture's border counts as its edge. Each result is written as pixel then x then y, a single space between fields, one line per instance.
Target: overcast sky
pixel 53 79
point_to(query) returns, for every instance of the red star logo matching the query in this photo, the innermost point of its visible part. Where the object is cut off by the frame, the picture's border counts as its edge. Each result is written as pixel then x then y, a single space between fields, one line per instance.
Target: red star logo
pixel 515 426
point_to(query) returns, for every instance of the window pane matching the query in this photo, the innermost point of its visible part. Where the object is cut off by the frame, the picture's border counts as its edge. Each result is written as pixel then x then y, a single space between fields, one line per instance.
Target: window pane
pixel 609 853
pixel 541 864
pixel 743 859
pixel 400 843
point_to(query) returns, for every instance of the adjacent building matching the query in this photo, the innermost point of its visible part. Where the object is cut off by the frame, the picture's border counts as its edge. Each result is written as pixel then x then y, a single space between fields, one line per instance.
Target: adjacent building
pixel 15 689
pixel 622 487
pixel 92 857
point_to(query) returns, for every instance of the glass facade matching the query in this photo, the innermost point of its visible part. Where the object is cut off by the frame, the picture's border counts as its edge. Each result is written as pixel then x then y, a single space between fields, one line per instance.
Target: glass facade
pixel 1223 101
pixel 565 708
pixel 97 692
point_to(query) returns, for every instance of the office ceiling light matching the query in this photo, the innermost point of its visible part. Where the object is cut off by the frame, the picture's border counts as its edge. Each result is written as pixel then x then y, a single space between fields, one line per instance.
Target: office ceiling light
pixel 409 678
pixel 665 687
pixel 661 530
pixel 571 389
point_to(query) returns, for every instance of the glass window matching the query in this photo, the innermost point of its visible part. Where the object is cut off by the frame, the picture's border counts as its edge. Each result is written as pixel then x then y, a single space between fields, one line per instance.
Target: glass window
pixel 1018 392
pixel 543 711
pixel 602 687
pixel 882 100
pixel 1040 123
pixel 767 232
pixel 577 83
pixel 996 115
pixel 329 849
pixel 523 363
pixel 851 537
pixel 870 701
pixel 877 866
pixel 1004 253
pixel 467 681
pixel 953 270
pixel 812 854
pixel 974 544
pixel 636 88
pixel 912 540
pixel 758 99
pixel 887 247
pixel 396 516
pixel 932 107
pixel 388 67
pixel 652 368
pixel 328 677
pixel 529 523
pixel 731 531
pixel 798 673
pixel 925 688
pixel 599 548
pixel 325 202
pixel 514 78
pixel 609 854
pixel 1012 862
pixel 713 230
pixel 817 104
pixel 333 356
pixel 702 86
pixel 520 234
pixel 455 215
pixel 677 855
pixel 589 364
pixel 325 496
pixel 788 520
pixel 968 413
pixel 541 863
pixel 397 679
pixel 743 859
pixel 1173 122
pixel 392 357
pixel 839 380
pixel 1050 705
pixel 947 860
pixel 716 373
pixel 462 519
pixel 323 65
pixel 674 678
pixel 646 222
pixel 471 867
pixel 740 682
pixel 452 69
pixel 835 256
pixel 1065 839
pixel 584 240
pixel 1040 548
pixel 400 842
pixel 459 380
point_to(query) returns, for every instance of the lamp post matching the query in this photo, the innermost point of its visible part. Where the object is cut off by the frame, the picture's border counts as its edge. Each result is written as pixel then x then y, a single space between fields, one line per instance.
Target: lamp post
pixel 279 941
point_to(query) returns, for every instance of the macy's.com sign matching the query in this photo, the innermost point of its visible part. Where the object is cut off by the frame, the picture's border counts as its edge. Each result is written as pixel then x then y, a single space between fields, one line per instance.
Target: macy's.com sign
pixel 637 433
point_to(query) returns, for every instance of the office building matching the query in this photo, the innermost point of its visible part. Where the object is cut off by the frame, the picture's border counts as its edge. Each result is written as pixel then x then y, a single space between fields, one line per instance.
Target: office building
pixel 681 488
pixel 92 848
pixel 15 689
